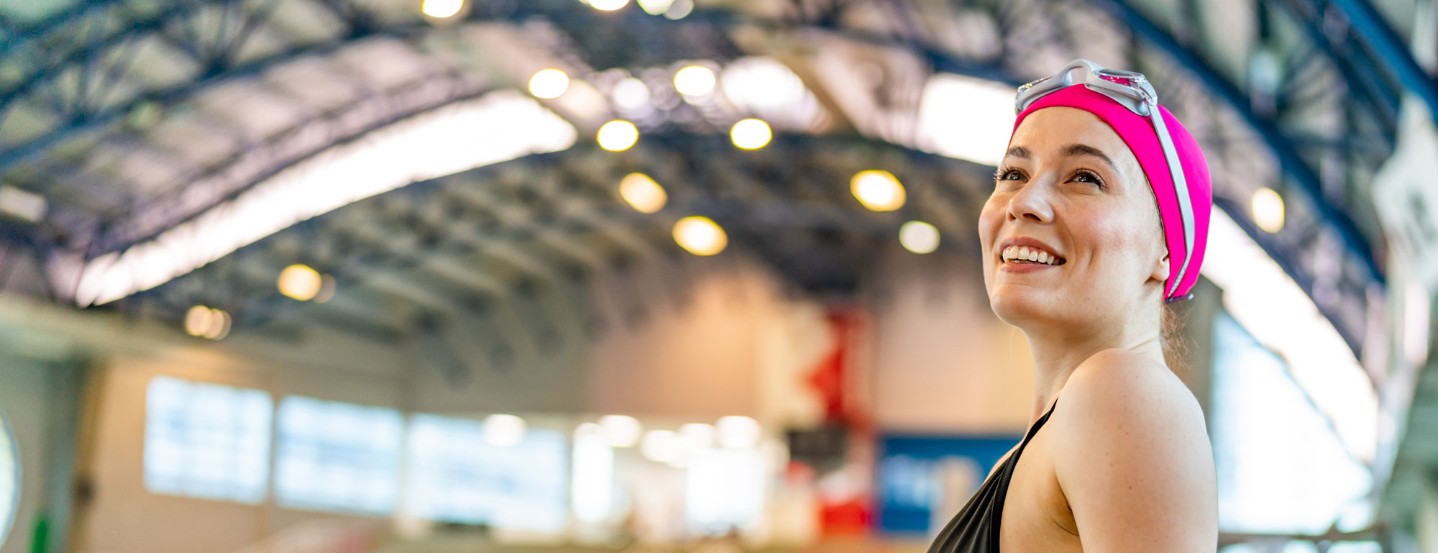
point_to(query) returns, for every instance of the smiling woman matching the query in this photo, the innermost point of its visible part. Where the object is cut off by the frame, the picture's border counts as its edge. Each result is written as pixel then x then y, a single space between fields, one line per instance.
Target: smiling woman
pixel 1098 219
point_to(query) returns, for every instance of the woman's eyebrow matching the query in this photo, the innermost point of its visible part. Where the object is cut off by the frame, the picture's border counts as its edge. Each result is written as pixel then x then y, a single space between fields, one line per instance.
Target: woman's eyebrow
pixel 1086 150
pixel 1018 152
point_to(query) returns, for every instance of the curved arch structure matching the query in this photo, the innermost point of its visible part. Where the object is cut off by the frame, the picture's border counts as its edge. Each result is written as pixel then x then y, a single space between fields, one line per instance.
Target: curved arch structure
pixel 133 121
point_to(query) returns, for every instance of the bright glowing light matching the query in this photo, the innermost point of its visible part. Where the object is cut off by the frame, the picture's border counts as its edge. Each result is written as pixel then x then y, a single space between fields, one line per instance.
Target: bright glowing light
pixel 655 7
pixel 621 430
pixel 207 322
pixel 698 434
pixel 589 429
pixel 1267 209
pixel 617 135
pixel 442 9
pixel 878 190
pixel 642 193
pixel 768 88
pixel 700 236
pixel 695 80
pixel 548 83
pixel 608 5
pixel 197 320
pixel 751 134
pixel 919 237
pixel 661 446
pixel 504 430
pixel 440 142
pixel 1276 311
pixel 631 93
pixel 966 118
pixel 300 282
pixel 725 489
pixel 679 9
pixel 593 476
pixel 738 432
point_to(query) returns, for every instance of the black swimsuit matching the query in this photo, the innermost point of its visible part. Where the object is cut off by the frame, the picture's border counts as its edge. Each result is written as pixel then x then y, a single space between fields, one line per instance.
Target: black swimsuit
pixel 976 528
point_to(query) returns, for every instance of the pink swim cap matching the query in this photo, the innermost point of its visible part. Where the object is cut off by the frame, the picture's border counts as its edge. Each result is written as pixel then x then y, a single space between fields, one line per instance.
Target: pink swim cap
pixel 1138 132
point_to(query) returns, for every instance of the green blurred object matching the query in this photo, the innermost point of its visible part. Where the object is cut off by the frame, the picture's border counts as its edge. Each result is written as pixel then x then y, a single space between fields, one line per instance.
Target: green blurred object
pixel 40 538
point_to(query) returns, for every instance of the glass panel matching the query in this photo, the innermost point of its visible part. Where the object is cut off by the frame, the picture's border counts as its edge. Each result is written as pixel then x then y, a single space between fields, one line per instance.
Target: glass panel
pixel 455 474
pixel 206 440
pixel 337 456
pixel 1281 466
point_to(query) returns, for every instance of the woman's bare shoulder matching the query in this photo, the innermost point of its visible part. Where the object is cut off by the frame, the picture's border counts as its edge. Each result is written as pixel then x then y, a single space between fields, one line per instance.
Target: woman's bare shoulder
pixel 1116 379
pixel 1117 397
pixel 1132 457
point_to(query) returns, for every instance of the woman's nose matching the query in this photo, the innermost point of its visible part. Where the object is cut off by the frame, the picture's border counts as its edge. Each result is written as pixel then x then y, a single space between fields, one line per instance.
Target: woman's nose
pixel 1032 202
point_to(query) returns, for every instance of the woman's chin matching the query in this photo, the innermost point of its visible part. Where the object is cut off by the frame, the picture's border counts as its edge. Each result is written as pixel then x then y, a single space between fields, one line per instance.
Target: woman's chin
pixel 1020 309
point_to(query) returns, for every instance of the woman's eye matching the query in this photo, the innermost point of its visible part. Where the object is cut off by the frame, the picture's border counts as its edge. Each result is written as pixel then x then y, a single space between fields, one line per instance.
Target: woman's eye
pixel 1008 174
pixel 1088 177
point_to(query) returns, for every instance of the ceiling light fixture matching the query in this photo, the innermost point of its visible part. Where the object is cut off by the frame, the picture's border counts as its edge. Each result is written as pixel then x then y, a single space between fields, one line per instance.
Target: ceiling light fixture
pixel 751 134
pixel 548 83
pixel 630 93
pixel 300 282
pixel 919 237
pixel 695 81
pixel 207 322
pixel 878 190
pixel 1266 206
pixel 608 5
pixel 442 9
pixel 655 7
pixel 642 193
pixel 679 10
pixel 700 236
pixel 617 135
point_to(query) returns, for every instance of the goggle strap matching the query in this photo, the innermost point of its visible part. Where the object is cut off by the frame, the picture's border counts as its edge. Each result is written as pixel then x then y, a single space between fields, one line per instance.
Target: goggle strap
pixel 1180 189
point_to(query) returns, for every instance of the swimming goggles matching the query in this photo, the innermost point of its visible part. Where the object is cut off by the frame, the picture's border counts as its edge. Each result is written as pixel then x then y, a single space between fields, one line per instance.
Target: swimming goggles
pixel 1133 91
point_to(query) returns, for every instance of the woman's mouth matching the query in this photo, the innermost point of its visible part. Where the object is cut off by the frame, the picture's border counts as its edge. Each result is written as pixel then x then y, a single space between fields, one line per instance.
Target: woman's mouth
pixel 1027 255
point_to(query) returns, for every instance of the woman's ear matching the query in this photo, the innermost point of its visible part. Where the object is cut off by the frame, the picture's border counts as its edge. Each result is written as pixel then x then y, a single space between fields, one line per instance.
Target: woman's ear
pixel 1161 269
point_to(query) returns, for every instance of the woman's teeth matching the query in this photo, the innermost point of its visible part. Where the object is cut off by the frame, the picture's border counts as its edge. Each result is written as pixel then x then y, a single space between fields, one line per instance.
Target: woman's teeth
pixel 1031 255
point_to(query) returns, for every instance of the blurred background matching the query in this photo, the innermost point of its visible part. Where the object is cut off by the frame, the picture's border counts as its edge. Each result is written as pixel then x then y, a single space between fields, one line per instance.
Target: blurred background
pixel 324 276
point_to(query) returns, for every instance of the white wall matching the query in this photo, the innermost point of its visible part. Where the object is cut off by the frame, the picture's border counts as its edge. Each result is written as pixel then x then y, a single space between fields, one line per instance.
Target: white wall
pixel 942 361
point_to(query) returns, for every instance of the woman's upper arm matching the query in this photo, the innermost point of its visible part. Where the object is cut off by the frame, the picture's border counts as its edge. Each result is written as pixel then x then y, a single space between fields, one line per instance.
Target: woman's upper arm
pixel 1133 459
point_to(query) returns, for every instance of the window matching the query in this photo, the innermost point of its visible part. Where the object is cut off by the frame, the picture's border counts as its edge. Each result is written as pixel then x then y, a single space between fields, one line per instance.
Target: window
pixel 456 475
pixel 206 440
pixel 1281 466
pixel 725 490
pixel 9 479
pixel 337 456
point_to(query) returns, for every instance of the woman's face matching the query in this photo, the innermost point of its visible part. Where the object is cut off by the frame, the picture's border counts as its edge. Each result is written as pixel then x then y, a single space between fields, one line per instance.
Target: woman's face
pixel 1070 195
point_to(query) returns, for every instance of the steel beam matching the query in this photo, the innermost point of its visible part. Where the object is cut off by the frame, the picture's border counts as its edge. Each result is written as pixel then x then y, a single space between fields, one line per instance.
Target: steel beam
pixel 1391 52
pixel 1291 164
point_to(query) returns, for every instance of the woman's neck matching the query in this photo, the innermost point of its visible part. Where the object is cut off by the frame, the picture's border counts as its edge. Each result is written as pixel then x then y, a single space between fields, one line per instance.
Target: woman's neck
pixel 1057 354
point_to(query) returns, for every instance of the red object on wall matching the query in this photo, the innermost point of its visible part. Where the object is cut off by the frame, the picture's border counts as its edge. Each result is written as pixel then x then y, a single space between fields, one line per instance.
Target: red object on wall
pixel 833 378
pixel 831 374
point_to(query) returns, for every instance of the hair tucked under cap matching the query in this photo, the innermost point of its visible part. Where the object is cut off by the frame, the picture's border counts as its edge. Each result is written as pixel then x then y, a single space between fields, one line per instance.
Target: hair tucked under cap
pixel 1138 133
